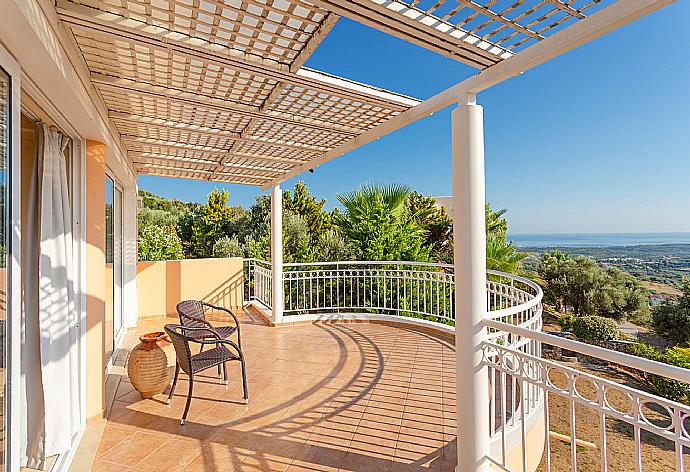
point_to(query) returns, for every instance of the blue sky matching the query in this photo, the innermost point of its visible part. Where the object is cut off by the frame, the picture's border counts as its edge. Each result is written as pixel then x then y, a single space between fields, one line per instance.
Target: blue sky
pixel 597 140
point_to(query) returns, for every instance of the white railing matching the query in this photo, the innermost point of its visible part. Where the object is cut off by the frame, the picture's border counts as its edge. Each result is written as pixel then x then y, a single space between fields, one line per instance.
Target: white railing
pixel 398 288
pixel 535 404
pixel 647 432
pixel 259 280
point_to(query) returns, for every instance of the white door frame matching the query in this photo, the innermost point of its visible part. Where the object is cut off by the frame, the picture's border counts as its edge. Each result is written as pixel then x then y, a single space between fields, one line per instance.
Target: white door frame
pixel 118 336
pixel 13 325
pixel 78 206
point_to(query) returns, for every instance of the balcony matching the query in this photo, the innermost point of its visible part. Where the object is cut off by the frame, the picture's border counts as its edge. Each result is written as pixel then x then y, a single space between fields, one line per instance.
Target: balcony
pixel 322 397
pixel 325 393
pixel 360 375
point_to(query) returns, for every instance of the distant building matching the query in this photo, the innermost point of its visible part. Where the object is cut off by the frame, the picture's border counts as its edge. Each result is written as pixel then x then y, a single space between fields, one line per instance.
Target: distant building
pixel 656 299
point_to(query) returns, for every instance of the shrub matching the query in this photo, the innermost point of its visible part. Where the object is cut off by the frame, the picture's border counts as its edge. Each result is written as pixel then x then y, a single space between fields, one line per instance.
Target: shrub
pixel 595 328
pixel 334 246
pixel 669 388
pixel 673 322
pixel 159 244
pixel 566 322
pixel 161 218
pixel 228 247
pixel 663 386
pixel 646 351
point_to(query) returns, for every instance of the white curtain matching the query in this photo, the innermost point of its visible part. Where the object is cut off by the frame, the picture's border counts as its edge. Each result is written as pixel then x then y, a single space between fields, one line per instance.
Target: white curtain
pixel 49 364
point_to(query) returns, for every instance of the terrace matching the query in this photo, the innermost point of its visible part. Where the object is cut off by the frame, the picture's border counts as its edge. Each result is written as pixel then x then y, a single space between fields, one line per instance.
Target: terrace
pixel 361 374
pixel 353 365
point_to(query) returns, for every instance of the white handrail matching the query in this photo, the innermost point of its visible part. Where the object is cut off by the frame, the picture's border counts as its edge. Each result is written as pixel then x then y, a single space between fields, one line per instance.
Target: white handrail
pixel 416 264
pixel 616 357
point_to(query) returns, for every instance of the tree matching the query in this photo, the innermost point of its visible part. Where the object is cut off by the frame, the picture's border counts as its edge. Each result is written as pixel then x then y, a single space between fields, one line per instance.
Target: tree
pixel 334 247
pixel 380 226
pixel 619 295
pixel 162 218
pixel 495 221
pixel 159 244
pixel 437 225
pixel 588 289
pixel 672 320
pixel 302 203
pixel 296 240
pixel 228 247
pixel 501 255
pixel 552 272
pixel 210 224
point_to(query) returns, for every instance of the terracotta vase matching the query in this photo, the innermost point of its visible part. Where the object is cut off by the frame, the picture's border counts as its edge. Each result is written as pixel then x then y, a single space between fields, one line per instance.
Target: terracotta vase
pixel 151 364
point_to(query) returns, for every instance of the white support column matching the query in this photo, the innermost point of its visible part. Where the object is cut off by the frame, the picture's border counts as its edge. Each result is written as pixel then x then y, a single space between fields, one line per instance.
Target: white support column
pixel 470 279
pixel 277 253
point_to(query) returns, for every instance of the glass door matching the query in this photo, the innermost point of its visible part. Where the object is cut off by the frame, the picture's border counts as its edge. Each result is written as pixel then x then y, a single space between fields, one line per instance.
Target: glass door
pixel 117 263
pixel 5 122
pixel 10 294
pixel 113 267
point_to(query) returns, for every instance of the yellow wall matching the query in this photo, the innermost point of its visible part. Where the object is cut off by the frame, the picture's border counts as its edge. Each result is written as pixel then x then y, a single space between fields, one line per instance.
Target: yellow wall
pixel 536 439
pixel 95 280
pixel 163 284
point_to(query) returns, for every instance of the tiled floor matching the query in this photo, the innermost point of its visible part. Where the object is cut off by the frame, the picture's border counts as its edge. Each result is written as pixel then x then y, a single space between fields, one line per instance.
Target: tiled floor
pixel 328 397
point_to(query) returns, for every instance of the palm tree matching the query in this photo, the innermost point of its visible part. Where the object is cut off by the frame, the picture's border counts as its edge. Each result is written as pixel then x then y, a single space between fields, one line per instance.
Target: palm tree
pixel 495 222
pixel 379 225
pixel 501 255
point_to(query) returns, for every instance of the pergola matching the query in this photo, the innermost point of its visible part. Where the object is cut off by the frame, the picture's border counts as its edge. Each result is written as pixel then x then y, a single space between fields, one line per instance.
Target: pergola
pixel 217 90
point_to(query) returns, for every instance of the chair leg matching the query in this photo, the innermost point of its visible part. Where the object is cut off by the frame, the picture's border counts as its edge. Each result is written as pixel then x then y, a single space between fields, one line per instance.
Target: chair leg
pixel 189 400
pixel 220 373
pixel 244 381
pixel 225 374
pixel 172 387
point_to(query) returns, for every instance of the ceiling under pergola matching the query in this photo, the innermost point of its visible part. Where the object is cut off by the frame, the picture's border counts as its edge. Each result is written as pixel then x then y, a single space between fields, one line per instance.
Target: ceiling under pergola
pixel 217 89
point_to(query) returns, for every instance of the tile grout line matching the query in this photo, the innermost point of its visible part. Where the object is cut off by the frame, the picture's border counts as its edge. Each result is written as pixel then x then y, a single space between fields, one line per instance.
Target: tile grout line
pixel 402 415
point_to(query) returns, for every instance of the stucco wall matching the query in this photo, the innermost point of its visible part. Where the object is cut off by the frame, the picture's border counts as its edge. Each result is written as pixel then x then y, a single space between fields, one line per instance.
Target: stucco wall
pixel 162 284
pixel 95 278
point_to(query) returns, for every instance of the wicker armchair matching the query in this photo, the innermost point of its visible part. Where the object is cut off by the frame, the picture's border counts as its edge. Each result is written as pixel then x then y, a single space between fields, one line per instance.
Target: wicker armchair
pixel 192 315
pixel 224 351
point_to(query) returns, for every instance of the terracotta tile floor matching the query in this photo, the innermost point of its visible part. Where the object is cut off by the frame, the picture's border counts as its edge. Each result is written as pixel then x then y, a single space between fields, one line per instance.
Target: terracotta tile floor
pixel 351 397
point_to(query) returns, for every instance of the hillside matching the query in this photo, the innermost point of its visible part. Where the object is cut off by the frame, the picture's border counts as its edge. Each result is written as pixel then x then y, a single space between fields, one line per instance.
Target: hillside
pixel 664 264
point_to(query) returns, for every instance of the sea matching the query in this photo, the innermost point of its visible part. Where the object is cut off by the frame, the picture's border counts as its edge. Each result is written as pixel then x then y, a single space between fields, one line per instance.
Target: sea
pixel 585 240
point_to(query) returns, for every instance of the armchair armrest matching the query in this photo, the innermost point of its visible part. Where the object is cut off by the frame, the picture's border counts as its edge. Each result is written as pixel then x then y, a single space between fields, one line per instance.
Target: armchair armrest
pixel 226 310
pixel 213 333
pixel 221 341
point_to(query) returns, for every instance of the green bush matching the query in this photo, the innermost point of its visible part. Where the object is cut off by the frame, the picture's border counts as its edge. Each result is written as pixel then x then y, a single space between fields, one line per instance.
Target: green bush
pixel 566 322
pixel 595 328
pixel 646 351
pixel 159 244
pixel 669 388
pixel 672 322
pixel 663 386
pixel 228 247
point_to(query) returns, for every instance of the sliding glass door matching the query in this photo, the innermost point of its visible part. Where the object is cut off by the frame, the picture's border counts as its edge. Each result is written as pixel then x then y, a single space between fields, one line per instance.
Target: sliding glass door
pixel 10 294
pixel 5 126
pixel 113 266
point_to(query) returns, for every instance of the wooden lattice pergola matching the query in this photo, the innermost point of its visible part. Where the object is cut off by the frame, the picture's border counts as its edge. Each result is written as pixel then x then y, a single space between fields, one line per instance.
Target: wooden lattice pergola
pixel 217 89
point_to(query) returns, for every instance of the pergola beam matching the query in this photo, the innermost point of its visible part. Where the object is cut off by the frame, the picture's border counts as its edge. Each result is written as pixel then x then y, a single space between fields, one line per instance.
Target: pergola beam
pixel 566 9
pixel 157 91
pixel 143 156
pixel 411 24
pixel 161 124
pixel 583 31
pixel 170 171
pixel 175 146
pixel 139 33
pixel 166 165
